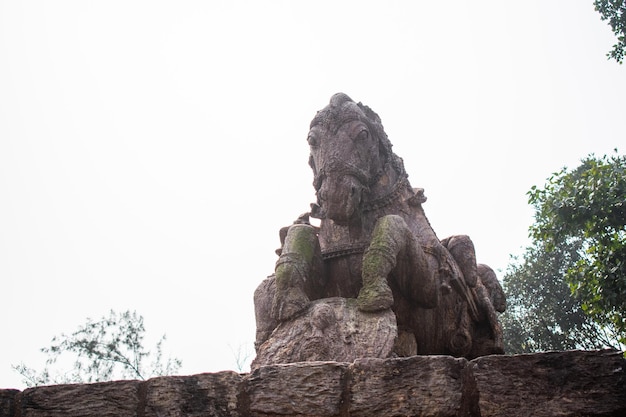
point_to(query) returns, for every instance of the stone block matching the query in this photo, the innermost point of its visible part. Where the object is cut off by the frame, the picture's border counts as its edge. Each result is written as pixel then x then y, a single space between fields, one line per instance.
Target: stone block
pixel 571 383
pixel 106 399
pixel 298 389
pixel 414 386
pixel 7 402
pixel 200 395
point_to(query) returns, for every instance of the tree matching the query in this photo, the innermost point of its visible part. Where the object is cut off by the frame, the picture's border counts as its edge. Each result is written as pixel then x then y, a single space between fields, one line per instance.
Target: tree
pixel 542 314
pixel 242 355
pixel 615 12
pixel 586 207
pixel 109 348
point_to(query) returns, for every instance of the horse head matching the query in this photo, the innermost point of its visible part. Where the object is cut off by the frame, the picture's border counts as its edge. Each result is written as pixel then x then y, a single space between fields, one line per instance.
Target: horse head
pixel 350 154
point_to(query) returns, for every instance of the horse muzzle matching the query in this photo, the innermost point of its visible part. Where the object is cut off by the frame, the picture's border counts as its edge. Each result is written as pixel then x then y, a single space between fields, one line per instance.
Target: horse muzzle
pixel 340 198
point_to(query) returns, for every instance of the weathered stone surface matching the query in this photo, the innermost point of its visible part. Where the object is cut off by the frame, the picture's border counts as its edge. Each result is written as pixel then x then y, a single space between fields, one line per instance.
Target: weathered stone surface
pixel 299 389
pixel 107 399
pixel 416 386
pixel 193 396
pixel 7 402
pixel 375 244
pixel 331 329
pixel 573 383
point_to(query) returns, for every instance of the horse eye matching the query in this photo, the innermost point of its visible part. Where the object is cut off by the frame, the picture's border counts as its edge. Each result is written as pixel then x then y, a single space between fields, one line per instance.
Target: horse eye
pixel 363 134
pixel 312 140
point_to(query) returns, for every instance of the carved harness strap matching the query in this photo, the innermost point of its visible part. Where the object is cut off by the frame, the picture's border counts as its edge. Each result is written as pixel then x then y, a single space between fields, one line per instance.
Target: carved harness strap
pixel 343 250
pixel 386 200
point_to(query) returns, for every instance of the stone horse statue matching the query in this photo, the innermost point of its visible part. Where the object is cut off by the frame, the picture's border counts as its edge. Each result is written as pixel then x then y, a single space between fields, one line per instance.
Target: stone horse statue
pixel 375 244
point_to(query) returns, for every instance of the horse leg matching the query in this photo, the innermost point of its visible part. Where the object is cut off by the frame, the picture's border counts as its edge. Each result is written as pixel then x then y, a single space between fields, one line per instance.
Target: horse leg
pixel 462 250
pixel 392 245
pixel 487 333
pixel 296 269
pixel 494 289
pixel 492 299
pixel 263 299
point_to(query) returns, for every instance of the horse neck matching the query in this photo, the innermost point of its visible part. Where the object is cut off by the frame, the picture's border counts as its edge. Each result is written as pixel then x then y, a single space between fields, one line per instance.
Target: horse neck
pixel 393 195
pixel 389 189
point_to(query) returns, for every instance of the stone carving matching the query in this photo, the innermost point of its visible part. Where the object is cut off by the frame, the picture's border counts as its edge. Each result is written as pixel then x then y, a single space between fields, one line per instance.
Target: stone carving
pixel 334 328
pixel 374 244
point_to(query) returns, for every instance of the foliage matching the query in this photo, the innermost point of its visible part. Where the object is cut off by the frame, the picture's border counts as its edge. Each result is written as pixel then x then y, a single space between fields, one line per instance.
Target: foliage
pixel 109 348
pixel 242 355
pixel 542 314
pixel 615 12
pixel 587 207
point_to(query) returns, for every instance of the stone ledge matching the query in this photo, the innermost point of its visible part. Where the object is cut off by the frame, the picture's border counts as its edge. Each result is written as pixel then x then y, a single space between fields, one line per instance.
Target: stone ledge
pixel 572 383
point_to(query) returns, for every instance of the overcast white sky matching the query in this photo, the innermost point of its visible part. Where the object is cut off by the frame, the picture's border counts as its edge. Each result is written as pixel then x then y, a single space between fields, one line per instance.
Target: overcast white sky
pixel 151 150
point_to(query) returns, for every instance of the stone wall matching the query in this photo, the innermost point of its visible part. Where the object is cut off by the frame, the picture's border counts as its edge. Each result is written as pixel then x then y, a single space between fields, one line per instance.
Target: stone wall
pixel 573 383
